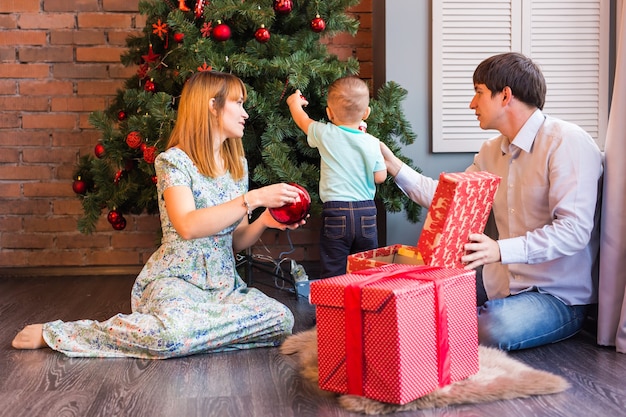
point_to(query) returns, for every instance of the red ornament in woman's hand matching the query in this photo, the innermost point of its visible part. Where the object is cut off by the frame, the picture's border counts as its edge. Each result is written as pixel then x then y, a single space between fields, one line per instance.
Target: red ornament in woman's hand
pixel 294 212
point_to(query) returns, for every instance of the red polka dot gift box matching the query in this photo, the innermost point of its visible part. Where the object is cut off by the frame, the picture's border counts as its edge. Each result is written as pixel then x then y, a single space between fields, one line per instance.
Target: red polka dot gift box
pixel 460 207
pixel 396 332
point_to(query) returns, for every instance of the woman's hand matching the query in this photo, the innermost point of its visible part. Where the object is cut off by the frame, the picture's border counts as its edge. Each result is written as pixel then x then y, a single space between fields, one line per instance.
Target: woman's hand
pixel 275 195
pixel 269 221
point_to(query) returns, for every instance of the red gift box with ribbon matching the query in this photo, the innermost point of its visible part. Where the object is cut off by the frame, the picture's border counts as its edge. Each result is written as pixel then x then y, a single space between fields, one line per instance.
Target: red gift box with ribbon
pixel 460 206
pixel 397 332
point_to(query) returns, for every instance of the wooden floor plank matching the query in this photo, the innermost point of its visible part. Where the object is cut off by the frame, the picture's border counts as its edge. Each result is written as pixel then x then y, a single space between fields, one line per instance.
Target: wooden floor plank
pixel 250 383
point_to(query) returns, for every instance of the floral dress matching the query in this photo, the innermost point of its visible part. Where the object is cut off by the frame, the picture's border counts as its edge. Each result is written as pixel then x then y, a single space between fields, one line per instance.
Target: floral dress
pixel 189 297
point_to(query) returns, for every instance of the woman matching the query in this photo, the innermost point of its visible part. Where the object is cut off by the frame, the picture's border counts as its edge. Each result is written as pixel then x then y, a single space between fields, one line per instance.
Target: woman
pixel 189 298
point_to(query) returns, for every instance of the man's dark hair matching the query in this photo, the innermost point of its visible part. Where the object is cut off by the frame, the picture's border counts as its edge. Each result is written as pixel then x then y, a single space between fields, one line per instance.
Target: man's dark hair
pixel 516 71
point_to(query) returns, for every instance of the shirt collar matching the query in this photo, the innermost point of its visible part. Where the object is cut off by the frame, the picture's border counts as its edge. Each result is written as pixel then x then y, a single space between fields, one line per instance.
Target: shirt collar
pixel 526 136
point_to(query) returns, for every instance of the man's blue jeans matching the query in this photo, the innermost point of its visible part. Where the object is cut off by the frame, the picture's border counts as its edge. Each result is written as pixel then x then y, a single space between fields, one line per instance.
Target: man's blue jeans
pixel 527 320
pixel 347 227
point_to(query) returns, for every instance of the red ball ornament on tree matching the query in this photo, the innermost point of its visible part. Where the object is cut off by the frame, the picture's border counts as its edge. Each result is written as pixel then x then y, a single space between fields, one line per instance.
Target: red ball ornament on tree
pixel 134 139
pixel 121 115
pixel 150 86
pixel 262 35
pixel 179 37
pixel 99 150
pixel 294 212
pixel 79 186
pixel 120 225
pixel 283 6
pixel 318 24
pixel 154 179
pixel 221 32
pixel 149 154
pixel 114 216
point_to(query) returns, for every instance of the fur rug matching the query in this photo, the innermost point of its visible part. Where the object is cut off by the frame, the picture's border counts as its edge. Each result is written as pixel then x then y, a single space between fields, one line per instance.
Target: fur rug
pixel 500 378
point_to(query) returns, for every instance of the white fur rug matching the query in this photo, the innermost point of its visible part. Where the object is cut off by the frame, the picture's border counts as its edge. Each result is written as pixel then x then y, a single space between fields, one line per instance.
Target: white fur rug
pixel 500 378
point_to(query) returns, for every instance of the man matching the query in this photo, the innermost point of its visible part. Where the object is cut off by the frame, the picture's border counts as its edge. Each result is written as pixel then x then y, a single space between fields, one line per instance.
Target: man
pixel 537 275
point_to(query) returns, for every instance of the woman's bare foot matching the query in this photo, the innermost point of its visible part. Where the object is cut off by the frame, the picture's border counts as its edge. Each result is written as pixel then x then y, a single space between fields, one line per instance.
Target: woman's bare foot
pixel 30 337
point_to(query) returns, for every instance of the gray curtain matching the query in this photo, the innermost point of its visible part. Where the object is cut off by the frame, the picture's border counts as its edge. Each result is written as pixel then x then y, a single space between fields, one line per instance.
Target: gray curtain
pixel 612 280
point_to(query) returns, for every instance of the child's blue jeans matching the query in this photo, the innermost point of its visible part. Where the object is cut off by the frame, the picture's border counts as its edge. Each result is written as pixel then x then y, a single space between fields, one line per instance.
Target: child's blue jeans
pixel 347 227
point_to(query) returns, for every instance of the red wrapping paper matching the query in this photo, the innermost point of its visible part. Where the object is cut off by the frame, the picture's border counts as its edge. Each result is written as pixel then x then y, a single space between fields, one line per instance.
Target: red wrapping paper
pixel 397 332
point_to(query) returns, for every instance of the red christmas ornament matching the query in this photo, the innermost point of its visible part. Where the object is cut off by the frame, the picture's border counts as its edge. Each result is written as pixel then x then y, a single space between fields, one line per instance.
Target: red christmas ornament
pixel 198 11
pixel 79 186
pixel 134 139
pixel 150 86
pixel 149 154
pixel 99 150
pixel 121 115
pixel 114 216
pixel 118 176
pixel 179 37
pixel 262 35
pixel 154 179
pixel 120 225
pixel 221 32
pixel 294 212
pixel 318 24
pixel 283 6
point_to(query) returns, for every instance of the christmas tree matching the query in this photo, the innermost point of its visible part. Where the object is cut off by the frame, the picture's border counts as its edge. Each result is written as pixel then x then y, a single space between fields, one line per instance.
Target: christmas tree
pixel 274 47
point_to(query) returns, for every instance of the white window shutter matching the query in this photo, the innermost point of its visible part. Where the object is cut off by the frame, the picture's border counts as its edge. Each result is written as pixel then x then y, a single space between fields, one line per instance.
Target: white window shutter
pixel 568 39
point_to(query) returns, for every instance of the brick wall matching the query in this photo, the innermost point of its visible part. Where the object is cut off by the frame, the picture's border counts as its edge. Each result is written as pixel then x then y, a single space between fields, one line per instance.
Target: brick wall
pixel 59 61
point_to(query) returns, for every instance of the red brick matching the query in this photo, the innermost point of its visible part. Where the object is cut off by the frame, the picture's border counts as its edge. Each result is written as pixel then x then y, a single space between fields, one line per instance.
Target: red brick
pixel 79 241
pixel 52 225
pixel 14 258
pixel 133 240
pixel 71 6
pixel 83 138
pixel 104 20
pixel 71 207
pixel 19 6
pixel 47 189
pixel 24 70
pixel 50 155
pixel 79 71
pixel 99 88
pixel 55 257
pixel 119 71
pixel 22 37
pixel 48 121
pixel 77 37
pixel 46 54
pixel 24 103
pixel 10 224
pixel 100 54
pixel 26 241
pixel 22 138
pixel 8 21
pixel 7 54
pixel 118 37
pixel 9 120
pixel 77 104
pixel 46 20
pixel 120 5
pixel 9 190
pixel 8 172
pixel 8 87
pixel 45 88
pixel 114 258
pixel 26 207
pixel 9 155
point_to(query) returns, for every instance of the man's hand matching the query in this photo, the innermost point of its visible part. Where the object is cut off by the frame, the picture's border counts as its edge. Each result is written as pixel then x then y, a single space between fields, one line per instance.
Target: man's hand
pixel 481 250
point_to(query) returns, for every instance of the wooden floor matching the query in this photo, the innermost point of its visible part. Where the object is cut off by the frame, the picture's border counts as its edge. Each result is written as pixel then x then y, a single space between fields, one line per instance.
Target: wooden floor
pixel 258 382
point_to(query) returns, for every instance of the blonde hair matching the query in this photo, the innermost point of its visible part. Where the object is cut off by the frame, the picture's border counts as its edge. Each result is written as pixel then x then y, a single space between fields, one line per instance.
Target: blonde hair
pixel 348 98
pixel 196 127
